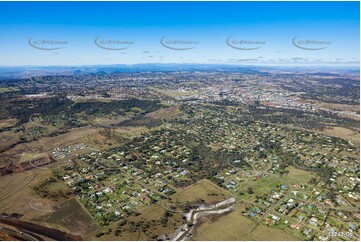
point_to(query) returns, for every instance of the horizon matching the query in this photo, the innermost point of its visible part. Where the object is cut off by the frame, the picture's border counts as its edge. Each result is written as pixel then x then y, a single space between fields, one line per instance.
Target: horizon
pixel 16 72
pixel 189 64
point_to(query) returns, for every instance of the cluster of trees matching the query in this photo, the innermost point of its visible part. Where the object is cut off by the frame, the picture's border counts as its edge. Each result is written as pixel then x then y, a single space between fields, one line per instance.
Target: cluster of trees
pixel 23 110
pixel 118 106
pixel 42 190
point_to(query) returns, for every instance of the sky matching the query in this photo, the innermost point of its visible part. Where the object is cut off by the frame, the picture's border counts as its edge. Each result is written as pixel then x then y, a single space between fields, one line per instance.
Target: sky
pixel 245 33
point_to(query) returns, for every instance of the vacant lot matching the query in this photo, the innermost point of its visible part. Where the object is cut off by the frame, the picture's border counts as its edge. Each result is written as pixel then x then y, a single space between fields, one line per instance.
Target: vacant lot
pixel 16 193
pixel 70 216
pixel 202 190
pixel 234 226
pixel 297 176
pixel 130 132
pixel 343 133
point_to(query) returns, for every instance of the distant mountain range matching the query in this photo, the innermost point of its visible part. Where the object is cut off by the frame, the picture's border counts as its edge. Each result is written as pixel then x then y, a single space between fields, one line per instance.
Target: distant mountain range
pixel 26 71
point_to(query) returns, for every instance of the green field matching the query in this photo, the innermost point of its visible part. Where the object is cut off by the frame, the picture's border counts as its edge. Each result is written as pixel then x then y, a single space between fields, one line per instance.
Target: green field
pixel 297 176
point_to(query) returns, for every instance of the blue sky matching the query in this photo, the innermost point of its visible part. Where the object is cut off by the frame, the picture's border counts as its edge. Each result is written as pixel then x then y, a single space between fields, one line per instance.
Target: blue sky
pixel 205 26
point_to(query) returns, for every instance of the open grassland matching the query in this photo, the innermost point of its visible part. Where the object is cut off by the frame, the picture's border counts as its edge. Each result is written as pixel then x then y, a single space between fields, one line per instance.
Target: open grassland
pixel 164 113
pixel 297 176
pixel 131 132
pixel 16 192
pixel 331 129
pixel 343 133
pixel 234 226
pixel 4 123
pixel 70 216
pixel 339 107
pixel 8 139
pixel 203 190
pixel 259 186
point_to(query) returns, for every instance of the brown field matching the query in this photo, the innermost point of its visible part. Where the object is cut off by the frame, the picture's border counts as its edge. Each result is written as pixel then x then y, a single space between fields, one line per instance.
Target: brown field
pixel 8 138
pixel 71 217
pixel 165 113
pixel 343 133
pixel 234 226
pixel 205 190
pixel 17 196
pixel 4 123
pixel 130 132
pixel 16 193
pixel 339 132
pixel 339 107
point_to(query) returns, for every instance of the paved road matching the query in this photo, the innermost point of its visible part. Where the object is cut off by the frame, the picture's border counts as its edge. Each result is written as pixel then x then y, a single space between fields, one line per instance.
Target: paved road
pixel 287 195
